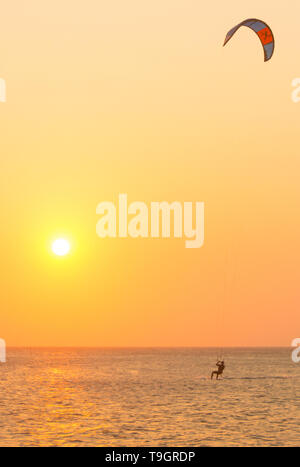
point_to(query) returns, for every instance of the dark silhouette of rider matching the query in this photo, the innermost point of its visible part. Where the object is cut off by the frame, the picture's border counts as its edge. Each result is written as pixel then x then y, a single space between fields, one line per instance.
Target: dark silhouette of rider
pixel 221 368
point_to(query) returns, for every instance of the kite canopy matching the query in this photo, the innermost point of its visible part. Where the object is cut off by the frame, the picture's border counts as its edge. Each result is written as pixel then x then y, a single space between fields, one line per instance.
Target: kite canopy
pixel 263 31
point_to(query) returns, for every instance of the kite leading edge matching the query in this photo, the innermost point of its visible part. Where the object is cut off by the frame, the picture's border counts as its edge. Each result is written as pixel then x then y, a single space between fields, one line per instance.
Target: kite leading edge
pixel 262 30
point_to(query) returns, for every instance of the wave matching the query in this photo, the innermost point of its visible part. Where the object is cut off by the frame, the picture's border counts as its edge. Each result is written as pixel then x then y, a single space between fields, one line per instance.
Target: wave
pixel 256 378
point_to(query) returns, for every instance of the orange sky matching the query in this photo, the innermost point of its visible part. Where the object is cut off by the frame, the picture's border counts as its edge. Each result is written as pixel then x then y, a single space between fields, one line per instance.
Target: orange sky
pixel 140 98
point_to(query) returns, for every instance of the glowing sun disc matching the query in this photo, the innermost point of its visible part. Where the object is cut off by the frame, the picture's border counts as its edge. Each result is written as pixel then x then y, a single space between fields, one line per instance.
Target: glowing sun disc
pixel 61 247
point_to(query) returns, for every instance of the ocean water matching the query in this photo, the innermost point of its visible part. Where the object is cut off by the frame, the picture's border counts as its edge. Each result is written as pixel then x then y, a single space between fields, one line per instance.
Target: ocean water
pixel 149 397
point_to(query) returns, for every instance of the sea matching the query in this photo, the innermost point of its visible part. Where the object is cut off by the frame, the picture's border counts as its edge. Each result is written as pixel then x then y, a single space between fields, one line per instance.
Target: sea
pixel 155 397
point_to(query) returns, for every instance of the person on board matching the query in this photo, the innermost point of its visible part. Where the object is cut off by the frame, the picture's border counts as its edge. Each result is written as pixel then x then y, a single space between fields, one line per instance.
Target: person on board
pixel 219 371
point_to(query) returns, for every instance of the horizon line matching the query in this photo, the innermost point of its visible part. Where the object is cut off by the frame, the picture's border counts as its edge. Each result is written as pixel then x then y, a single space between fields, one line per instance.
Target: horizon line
pixel 145 347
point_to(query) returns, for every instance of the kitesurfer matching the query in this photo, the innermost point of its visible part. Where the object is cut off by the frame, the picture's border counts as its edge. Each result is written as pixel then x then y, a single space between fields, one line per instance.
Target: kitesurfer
pixel 221 367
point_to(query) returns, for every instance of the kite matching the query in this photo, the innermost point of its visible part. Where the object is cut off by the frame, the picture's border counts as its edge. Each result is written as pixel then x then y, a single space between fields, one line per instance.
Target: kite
pixel 263 31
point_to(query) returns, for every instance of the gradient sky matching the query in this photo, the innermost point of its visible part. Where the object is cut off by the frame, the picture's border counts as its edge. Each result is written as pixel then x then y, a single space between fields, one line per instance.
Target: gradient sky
pixel 140 97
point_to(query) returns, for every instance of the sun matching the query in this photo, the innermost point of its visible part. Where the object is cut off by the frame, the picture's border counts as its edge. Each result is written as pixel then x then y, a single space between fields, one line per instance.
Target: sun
pixel 61 247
